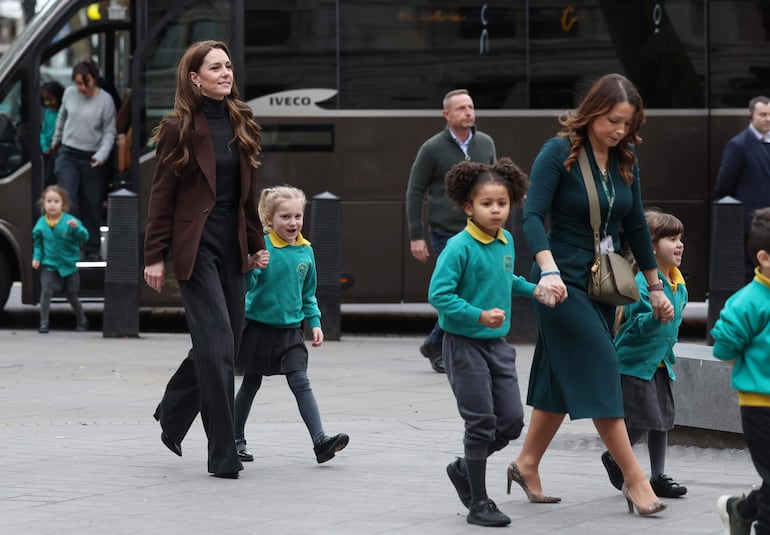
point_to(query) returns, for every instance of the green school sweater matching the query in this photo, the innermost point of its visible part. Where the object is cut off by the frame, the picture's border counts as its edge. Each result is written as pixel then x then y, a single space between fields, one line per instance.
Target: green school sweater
pixel 475 273
pixel 283 294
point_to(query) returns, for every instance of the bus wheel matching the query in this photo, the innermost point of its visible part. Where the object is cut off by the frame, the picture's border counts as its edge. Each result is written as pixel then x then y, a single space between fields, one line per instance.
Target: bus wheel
pixel 6 280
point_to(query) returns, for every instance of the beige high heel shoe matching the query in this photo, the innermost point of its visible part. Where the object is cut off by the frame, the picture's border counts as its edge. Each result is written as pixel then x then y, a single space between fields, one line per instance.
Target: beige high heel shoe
pixel 515 475
pixel 643 510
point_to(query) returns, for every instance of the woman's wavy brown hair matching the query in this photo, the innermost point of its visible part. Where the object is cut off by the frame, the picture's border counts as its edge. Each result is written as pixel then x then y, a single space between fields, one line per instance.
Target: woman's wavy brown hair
pixel 607 91
pixel 188 100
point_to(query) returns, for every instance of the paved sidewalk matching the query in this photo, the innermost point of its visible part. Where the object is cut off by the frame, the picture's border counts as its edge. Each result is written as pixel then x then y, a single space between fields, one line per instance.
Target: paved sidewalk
pixel 80 452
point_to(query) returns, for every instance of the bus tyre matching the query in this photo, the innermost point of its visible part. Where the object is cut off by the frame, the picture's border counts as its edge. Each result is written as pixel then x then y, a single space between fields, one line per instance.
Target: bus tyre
pixel 6 280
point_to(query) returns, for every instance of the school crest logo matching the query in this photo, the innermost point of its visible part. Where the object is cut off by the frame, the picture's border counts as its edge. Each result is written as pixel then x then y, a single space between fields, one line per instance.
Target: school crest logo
pixel 508 263
pixel 302 269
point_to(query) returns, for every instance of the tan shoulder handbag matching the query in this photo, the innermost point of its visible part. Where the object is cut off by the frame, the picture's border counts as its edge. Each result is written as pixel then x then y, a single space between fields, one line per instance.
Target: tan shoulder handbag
pixel 612 279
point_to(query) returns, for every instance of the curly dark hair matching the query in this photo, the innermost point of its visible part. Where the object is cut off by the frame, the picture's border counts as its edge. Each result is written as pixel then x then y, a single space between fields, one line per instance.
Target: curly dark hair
pixel 463 179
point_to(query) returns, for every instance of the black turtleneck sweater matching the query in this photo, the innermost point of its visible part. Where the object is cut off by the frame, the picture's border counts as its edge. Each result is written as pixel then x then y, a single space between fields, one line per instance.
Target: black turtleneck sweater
pixel 228 159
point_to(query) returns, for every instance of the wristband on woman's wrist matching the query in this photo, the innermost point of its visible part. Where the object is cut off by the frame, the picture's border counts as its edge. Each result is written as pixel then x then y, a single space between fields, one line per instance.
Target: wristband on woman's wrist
pixel 551 272
pixel 657 287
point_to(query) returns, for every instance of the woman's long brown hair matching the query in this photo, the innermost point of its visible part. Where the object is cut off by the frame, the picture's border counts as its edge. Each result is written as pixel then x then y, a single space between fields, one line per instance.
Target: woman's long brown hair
pixel 188 100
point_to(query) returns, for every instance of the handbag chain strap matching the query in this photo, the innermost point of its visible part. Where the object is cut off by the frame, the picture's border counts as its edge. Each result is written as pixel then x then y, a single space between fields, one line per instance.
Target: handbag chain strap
pixel 593 205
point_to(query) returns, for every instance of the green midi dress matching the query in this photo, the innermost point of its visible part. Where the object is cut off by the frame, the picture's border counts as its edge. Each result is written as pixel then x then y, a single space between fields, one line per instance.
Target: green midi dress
pixel 575 366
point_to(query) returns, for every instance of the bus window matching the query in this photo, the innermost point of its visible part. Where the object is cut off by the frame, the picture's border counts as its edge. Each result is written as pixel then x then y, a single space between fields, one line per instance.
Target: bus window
pixel 407 55
pixel 739 33
pixel 289 45
pixel 206 20
pixel 12 150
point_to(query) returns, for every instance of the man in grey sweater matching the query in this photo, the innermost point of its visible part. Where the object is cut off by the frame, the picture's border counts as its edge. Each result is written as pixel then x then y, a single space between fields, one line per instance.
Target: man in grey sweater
pixel 84 135
pixel 457 142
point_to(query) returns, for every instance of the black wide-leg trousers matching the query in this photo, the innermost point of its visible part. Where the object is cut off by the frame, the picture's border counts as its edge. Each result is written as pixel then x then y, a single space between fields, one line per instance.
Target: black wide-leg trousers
pixel 213 300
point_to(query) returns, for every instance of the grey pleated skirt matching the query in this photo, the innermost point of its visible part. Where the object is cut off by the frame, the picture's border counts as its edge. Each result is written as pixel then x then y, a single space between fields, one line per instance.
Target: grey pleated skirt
pixel 649 405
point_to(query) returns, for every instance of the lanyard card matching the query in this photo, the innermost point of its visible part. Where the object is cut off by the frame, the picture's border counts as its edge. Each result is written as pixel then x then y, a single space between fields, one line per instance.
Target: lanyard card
pixel 606 246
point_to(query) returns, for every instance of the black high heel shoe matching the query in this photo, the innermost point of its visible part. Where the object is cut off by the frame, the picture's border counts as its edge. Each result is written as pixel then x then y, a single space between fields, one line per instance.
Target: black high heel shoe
pixel 515 475
pixel 643 510
pixel 170 444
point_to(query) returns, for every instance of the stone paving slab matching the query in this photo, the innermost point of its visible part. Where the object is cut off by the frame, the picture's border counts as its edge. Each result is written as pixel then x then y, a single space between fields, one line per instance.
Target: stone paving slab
pixel 80 452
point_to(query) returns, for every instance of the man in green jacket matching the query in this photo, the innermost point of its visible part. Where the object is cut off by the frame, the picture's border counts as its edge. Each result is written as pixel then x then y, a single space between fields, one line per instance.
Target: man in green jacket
pixel 457 142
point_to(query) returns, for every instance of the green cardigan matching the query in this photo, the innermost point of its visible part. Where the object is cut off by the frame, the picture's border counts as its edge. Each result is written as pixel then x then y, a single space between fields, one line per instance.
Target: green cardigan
pixel 643 341
pixel 58 248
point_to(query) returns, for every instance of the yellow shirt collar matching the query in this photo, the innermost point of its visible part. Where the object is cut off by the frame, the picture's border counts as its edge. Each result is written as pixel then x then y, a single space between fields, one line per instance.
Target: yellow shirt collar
pixel 675 277
pixel 279 242
pixel 482 236
pixel 761 278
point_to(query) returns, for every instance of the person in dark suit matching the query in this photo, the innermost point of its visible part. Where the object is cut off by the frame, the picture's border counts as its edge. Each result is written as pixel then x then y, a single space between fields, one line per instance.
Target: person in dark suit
pixel 203 210
pixel 745 169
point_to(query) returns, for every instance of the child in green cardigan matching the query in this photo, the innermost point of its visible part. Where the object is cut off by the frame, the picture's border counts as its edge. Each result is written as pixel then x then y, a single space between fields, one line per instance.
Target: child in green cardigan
pixel 645 348
pixel 742 335
pixel 56 240
pixel 278 299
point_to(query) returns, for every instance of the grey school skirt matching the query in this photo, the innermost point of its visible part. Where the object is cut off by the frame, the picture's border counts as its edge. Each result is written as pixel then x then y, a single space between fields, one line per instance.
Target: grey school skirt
pixel 649 405
pixel 269 350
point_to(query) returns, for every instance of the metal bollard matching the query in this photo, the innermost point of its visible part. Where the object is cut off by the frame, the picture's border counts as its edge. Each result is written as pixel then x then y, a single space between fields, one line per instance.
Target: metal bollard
pixel 326 237
pixel 523 324
pixel 121 278
pixel 727 251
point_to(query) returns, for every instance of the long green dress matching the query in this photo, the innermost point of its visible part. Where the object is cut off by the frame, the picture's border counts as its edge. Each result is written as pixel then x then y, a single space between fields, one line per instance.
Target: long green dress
pixel 575 367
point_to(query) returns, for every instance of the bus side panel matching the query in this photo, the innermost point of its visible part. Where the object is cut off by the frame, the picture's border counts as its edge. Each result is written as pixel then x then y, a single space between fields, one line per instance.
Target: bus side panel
pixel 19 218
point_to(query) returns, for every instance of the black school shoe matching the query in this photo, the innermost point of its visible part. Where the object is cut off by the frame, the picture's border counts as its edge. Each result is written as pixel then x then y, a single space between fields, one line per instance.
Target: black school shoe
pixel 243 452
pixel 460 482
pixel 486 513
pixel 665 487
pixel 613 471
pixel 328 446
pixel 433 354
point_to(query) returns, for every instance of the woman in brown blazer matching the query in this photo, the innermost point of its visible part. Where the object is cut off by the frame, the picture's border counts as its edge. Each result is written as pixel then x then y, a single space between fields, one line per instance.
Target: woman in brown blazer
pixel 203 211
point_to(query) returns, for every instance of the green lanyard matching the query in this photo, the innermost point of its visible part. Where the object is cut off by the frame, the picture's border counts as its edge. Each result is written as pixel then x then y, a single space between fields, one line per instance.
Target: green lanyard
pixel 609 192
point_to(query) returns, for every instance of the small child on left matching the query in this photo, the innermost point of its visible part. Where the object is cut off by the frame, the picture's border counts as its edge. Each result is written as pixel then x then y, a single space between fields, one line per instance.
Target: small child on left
pixel 56 240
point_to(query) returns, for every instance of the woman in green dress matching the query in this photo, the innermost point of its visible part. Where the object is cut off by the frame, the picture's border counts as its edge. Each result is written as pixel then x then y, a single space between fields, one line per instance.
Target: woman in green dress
pixel 575 368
